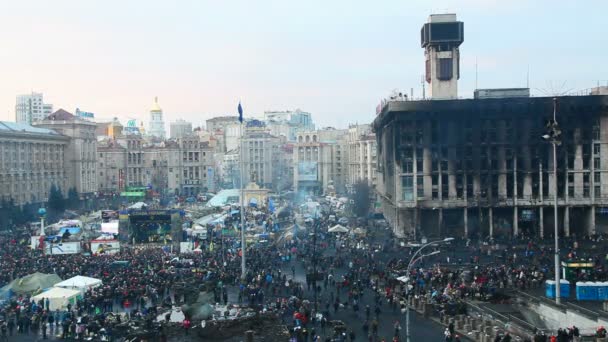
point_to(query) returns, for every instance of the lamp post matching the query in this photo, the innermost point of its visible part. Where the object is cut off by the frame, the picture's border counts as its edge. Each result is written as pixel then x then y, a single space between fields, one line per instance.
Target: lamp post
pixel 42 213
pixel 413 260
pixel 553 133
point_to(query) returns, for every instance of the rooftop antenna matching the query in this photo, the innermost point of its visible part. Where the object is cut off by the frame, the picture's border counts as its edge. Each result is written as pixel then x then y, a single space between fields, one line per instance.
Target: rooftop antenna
pixel 423 93
pixel 476 74
pixel 554 91
pixel 528 77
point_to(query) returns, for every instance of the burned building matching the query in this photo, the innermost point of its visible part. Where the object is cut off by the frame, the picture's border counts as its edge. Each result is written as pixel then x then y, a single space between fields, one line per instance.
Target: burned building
pixel 479 167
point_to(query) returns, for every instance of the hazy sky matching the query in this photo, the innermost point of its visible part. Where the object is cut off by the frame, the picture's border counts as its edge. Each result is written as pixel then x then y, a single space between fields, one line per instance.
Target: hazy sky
pixel 333 58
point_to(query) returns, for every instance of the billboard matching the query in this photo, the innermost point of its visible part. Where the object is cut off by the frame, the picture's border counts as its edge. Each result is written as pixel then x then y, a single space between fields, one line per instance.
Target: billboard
pixel 62 248
pixel 105 246
pixel 307 171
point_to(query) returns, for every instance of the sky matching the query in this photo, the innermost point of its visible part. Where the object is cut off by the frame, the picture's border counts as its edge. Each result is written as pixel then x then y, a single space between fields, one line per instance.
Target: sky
pixel 335 59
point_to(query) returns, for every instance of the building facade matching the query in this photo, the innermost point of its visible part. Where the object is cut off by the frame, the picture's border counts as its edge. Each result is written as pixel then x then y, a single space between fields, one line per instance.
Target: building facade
pixel 191 167
pixel 32 159
pixel 478 167
pixel 320 161
pixel 260 153
pixel 81 155
pixel 31 107
pixel 361 155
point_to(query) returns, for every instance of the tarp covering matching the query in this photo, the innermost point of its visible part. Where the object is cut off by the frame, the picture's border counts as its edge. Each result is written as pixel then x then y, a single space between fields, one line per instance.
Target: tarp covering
pixel 224 197
pixel 138 205
pixel 59 298
pixel 31 284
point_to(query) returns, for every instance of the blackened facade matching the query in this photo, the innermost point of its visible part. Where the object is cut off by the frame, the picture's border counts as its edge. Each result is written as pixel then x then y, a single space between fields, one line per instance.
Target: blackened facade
pixel 479 167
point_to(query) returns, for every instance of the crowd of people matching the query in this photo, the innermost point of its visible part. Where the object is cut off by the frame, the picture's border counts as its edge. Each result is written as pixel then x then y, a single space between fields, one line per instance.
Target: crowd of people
pixel 344 275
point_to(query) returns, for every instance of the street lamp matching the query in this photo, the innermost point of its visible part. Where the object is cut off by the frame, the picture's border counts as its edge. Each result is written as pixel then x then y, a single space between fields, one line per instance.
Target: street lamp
pixel 552 135
pixel 413 260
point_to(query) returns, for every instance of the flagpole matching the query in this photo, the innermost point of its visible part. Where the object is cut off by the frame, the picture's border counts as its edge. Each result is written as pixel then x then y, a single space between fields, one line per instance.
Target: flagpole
pixel 243 247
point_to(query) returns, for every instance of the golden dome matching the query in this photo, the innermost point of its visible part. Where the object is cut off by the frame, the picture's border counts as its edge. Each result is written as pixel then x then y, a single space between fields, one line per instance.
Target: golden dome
pixel 155 106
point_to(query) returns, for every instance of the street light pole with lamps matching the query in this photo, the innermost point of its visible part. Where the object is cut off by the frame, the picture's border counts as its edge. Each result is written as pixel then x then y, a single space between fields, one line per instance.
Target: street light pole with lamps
pixel 552 135
pixel 413 260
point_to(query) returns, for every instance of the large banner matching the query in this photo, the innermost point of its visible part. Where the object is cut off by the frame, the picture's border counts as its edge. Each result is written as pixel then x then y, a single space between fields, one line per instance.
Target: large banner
pixel 307 171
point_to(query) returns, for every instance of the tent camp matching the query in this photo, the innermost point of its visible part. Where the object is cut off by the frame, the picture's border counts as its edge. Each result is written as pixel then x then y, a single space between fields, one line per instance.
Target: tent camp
pixel 80 283
pixel 30 284
pixel 59 298
pixel 338 229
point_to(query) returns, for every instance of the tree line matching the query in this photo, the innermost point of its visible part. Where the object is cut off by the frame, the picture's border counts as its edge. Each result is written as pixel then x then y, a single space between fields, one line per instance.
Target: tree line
pixel 12 214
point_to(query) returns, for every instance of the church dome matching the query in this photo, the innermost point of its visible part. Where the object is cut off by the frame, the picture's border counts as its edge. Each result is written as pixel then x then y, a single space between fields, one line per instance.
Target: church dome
pixel 155 106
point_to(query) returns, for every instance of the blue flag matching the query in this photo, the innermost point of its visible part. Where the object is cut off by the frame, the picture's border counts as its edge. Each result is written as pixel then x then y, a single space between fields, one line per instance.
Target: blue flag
pixel 240 108
pixel 271 206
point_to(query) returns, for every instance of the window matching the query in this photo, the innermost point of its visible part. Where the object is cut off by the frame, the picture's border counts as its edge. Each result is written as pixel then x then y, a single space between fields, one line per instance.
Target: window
pixel 408 188
pixel 407 166
pixel 420 186
pixel 597 178
pixel 596 148
pixel 598 191
pixel 596 163
pixel 445 69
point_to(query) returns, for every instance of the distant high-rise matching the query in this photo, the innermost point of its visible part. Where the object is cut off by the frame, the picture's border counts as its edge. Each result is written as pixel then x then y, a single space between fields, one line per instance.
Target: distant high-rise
pixel 440 37
pixel 179 129
pixel 31 107
pixel 296 121
pixel 157 125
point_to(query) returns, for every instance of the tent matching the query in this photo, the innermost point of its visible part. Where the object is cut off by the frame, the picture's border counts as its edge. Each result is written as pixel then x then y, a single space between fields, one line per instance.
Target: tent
pixel 80 283
pixel 59 298
pixel 30 284
pixel 360 231
pixel 338 229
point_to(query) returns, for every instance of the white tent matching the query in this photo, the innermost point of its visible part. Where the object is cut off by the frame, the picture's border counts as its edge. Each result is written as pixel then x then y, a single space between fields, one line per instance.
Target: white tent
pixel 80 283
pixel 138 205
pixel 338 229
pixel 59 298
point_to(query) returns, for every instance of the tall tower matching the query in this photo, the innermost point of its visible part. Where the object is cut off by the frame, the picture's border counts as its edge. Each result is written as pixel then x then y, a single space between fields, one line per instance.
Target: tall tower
pixel 157 125
pixel 440 37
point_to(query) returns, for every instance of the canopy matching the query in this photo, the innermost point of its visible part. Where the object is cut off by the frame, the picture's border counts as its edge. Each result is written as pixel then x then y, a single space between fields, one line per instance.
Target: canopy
pixel 138 205
pixel 71 230
pixel 80 283
pixel 59 298
pixel 338 229
pixel 31 284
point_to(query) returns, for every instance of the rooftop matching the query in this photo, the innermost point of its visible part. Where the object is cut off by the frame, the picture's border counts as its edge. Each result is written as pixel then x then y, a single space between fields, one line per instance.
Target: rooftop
pixel 516 107
pixel 61 115
pixel 25 128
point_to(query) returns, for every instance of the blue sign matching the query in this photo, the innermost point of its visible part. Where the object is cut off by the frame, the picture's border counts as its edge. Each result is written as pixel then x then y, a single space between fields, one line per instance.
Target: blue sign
pixel 83 114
